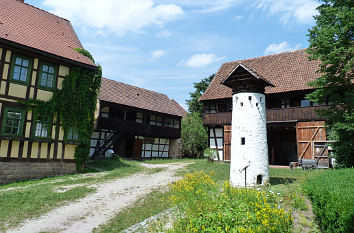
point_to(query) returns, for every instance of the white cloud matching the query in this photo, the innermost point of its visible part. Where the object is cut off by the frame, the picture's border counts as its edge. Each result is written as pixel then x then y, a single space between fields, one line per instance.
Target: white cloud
pixel 205 6
pixel 163 34
pixel 201 60
pixel 281 47
pixel 157 53
pixel 238 17
pixel 116 16
pixel 288 10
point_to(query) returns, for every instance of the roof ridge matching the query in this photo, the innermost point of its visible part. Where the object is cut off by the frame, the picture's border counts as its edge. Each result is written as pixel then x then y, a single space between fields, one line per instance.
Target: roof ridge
pixel 270 55
pixel 137 87
pixel 44 11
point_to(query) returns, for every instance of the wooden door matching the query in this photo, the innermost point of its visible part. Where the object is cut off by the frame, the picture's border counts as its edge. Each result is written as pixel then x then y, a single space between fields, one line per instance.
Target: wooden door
pixel 227 142
pixel 137 148
pixel 309 135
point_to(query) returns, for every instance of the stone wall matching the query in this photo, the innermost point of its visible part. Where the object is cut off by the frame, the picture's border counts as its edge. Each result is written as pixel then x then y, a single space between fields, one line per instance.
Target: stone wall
pixel 17 171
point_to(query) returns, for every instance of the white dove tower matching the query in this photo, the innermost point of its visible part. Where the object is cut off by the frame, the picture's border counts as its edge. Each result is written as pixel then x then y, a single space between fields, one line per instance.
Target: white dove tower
pixel 249 147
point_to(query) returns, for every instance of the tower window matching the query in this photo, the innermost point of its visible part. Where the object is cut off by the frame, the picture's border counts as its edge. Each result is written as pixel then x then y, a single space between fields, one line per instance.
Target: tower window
pixel 243 141
pixel 250 98
pixel 241 104
pixel 259 179
pixel 260 99
pixel 256 104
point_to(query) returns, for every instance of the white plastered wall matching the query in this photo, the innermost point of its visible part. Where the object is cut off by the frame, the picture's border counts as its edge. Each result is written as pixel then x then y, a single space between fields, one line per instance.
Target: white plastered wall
pixel 249 122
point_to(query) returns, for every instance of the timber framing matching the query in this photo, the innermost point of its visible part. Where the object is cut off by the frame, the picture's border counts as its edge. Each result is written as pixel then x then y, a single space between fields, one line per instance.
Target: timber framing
pixel 140 124
pixel 26 48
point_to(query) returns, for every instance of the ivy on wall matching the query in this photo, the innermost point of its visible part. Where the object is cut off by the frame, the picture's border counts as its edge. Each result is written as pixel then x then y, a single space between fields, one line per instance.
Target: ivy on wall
pixel 74 106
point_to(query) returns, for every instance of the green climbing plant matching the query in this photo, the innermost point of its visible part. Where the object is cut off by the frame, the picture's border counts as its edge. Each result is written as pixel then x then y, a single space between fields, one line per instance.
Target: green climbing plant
pixel 74 106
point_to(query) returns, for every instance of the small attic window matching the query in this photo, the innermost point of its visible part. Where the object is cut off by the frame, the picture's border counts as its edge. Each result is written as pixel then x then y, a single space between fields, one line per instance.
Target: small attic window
pixel 137 94
pixel 249 98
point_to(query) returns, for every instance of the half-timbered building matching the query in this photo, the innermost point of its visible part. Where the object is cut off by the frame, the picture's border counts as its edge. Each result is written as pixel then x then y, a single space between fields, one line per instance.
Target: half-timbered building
pixel 294 129
pixel 36 54
pixel 136 123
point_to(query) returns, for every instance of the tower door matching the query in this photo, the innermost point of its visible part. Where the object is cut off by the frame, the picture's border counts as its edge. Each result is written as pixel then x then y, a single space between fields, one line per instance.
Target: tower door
pixel 227 142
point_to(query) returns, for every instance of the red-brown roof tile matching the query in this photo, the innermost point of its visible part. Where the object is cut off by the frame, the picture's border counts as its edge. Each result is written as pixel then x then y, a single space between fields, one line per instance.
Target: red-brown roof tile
pixel 121 93
pixel 288 71
pixel 27 25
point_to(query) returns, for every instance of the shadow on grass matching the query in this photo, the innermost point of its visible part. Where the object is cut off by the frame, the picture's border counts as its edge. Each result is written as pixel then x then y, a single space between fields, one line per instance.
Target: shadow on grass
pixel 280 180
pixel 106 165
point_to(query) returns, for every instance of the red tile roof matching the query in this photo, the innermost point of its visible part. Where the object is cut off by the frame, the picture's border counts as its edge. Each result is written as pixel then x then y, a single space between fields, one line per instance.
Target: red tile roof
pixel 121 93
pixel 288 71
pixel 27 25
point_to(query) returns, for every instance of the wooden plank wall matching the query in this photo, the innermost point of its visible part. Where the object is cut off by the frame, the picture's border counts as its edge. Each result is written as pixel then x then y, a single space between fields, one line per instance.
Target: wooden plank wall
pixel 308 133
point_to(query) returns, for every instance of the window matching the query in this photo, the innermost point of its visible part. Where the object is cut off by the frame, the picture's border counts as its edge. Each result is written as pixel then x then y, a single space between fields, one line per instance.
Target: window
pixel 155 120
pixel 249 98
pixel 305 103
pixel 139 117
pixel 210 108
pixel 13 121
pixel 21 68
pixel 72 135
pixel 42 129
pixel 241 103
pixel 243 141
pixel 47 75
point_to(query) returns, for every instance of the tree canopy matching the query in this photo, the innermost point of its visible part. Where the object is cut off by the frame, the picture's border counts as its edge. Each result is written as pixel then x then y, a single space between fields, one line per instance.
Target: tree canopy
pixel 193 135
pixel 331 42
pixel 193 104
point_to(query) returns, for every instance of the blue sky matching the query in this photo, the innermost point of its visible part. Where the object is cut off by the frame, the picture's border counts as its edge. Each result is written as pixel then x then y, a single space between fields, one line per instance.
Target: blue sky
pixel 167 45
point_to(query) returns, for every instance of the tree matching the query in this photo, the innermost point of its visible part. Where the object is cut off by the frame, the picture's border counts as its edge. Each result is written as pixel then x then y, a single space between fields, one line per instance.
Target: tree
pixel 193 104
pixel 331 42
pixel 193 135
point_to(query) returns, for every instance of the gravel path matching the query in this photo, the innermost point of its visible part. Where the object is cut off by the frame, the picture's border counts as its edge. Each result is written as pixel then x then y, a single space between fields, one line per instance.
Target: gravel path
pixel 110 198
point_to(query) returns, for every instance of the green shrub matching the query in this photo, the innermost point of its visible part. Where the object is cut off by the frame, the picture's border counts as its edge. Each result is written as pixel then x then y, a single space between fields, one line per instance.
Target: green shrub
pixel 332 196
pixel 211 153
pixel 205 206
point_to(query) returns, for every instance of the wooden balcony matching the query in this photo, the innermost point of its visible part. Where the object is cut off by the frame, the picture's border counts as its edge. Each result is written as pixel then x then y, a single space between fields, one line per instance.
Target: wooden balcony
pixel 220 118
pixel 294 114
pixel 139 129
pixel 273 115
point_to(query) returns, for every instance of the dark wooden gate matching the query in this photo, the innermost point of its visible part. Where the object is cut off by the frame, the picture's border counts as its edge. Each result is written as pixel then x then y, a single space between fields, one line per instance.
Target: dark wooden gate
pixel 137 149
pixel 227 142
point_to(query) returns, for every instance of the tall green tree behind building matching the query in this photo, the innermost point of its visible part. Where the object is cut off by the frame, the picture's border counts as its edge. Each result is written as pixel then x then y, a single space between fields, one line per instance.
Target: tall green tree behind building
pixel 193 104
pixel 331 42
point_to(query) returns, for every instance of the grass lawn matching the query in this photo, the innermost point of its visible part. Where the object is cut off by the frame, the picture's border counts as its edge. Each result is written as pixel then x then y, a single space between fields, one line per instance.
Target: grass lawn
pixel 284 182
pixel 23 200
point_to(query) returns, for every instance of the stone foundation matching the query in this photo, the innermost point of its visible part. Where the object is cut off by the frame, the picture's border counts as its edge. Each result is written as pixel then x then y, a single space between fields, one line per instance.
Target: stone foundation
pixel 17 171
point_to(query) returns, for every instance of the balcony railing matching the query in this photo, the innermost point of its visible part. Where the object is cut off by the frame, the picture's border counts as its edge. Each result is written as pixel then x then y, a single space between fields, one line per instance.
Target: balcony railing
pixel 273 115
pixel 220 118
pixel 135 128
pixel 294 113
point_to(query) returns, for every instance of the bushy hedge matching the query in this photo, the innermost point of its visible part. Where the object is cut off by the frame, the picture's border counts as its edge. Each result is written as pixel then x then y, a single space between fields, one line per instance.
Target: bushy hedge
pixel 332 196
pixel 204 206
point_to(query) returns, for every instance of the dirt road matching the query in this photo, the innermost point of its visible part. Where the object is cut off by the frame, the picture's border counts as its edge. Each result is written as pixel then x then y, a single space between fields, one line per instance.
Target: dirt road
pixel 110 198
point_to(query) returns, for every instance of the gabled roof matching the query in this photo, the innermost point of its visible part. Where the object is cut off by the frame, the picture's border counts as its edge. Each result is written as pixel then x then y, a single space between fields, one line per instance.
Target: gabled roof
pixel 26 25
pixel 247 69
pixel 121 93
pixel 288 71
